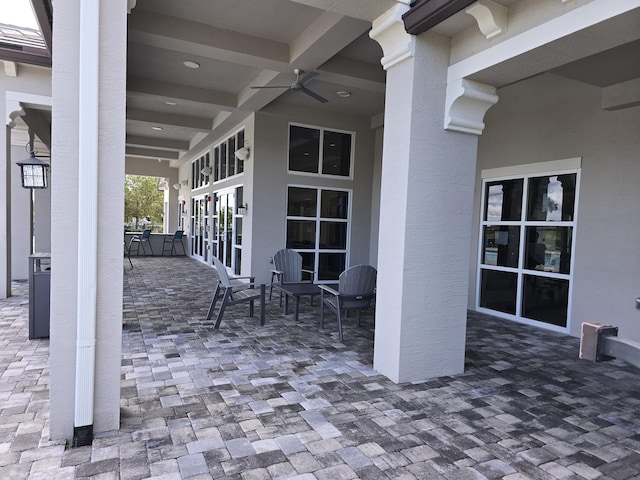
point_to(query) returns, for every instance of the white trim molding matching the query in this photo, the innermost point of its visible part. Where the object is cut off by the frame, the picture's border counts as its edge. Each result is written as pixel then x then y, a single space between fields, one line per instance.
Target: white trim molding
pixel 491 17
pixel 15 102
pixel 561 165
pixel 466 104
pixel 388 30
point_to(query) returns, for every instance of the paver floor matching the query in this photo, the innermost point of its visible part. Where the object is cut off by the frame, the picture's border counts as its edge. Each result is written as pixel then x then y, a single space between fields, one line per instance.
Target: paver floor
pixel 287 400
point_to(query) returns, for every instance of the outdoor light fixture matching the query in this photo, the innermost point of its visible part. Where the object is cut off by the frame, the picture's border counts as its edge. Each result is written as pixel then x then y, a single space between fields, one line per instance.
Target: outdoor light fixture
pixel 176 186
pixel 243 153
pixel 206 171
pixel 243 209
pixel 33 172
pixel 184 182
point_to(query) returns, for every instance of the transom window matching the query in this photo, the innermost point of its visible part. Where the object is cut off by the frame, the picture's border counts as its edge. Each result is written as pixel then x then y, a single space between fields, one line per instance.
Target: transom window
pixel 318 228
pixel 320 151
pixel 225 163
pixel 526 246
pixel 198 177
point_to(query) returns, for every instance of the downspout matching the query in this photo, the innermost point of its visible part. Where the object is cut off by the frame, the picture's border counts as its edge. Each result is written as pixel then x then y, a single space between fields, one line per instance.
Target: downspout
pixel 87 221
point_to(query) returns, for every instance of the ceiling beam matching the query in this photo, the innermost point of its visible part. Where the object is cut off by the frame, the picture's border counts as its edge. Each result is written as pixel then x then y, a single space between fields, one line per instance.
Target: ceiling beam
pixel 151 153
pixel 179 92
pixel 183 121
pixel 158 143
pixel 179 35
pixel 363 9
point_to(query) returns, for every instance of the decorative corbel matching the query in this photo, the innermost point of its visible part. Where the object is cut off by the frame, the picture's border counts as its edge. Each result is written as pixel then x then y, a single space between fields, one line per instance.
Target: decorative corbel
pixel 10 68
pixel 491 17
pixel 388 30
pixel 466 104
pixel 130 5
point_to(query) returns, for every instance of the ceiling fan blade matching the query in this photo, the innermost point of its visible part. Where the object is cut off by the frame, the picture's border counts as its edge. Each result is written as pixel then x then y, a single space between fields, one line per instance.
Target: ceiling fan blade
pixel 313 94
pixel 272 86
pixel 307 77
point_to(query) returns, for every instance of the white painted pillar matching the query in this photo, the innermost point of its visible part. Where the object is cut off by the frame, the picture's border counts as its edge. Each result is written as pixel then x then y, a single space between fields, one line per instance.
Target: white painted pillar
pixel 425 216
pixel 72 291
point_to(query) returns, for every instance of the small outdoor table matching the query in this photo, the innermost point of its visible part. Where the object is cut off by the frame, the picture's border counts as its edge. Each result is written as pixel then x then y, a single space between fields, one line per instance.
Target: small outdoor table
pixel 297 290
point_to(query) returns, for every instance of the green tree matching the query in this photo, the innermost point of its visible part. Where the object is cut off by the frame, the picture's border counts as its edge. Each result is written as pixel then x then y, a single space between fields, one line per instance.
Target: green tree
pixel 142 199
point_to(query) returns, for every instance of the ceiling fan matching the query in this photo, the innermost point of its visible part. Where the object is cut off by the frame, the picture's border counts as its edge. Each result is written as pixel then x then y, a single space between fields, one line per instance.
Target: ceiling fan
pixel 299 86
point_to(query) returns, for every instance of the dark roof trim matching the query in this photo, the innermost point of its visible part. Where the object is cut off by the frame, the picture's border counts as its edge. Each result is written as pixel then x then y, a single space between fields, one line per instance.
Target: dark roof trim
pixel 31 56
pixel 426 14
pixel 43 12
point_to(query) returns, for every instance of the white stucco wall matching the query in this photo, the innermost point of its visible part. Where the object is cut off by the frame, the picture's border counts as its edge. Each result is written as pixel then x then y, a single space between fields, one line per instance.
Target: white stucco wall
pixel 550 118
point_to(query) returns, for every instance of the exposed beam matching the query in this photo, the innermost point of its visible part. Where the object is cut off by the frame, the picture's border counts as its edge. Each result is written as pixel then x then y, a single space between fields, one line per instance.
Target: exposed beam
pixel 158 143
pixel 195 38
pixel 155 118
pixel 150 153
pixel 363 9
pixel 353 73
pixel 174 91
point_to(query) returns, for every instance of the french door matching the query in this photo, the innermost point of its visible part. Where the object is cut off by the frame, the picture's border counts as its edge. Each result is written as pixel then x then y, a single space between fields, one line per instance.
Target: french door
pixel 200 227
pixel 227 221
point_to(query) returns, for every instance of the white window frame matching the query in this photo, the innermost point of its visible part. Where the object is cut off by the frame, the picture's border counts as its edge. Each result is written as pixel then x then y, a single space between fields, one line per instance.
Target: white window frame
pixel 218 146
pixel 318 220
pixel 203 180
pixel 525 172
pixel 321 147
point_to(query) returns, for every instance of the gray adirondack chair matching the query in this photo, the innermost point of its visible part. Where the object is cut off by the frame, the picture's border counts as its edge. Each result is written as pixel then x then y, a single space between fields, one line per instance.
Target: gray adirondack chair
pixel 287 269
pixel 232 291
pixel 356 290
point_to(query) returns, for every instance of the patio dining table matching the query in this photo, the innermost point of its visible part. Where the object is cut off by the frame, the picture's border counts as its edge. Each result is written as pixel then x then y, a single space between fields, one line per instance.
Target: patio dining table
pixel 297 290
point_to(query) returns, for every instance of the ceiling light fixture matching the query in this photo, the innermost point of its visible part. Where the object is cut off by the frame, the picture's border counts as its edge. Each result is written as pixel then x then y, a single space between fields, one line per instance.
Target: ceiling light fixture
pixel 343 94
pixel 173 104
pixel 191 64
pixel 158 129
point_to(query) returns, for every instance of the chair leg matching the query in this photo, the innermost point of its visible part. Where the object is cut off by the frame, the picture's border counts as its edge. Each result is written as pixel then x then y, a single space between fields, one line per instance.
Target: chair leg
pixel 227 294
pixel 339 324
pixel 251 308
pixel 321 308
pixel 360 318
pixel 262 296
pixel 213 302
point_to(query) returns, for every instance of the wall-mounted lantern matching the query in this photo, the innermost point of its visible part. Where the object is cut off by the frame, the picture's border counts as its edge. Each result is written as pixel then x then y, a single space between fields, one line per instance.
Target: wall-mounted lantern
pixel 33 172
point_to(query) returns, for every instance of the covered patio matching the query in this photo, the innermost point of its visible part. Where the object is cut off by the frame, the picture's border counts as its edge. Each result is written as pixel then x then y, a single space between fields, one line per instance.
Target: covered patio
pixel 288 400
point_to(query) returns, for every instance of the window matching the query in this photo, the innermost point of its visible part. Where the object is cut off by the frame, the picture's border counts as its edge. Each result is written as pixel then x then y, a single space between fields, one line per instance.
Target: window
pixel 198 178
pixel 319 151
pixel 318 228
pixel 526 246
pixel 225 163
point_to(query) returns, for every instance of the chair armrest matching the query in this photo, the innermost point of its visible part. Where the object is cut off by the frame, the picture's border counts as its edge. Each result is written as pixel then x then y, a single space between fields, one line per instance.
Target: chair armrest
pixel 329 290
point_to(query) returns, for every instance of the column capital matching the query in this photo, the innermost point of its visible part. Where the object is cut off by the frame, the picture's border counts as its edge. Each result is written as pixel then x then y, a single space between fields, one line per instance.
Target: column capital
pixel 388 30
pixel 466 104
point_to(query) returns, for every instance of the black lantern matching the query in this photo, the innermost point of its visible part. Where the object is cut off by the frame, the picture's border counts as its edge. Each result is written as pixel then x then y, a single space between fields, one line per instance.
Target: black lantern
pixel 33 172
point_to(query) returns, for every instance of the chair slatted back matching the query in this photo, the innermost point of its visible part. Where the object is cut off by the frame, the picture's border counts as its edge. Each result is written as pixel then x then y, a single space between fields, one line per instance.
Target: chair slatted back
pixel 290 263
pixel 222 272
pixel 178 235
pixel 357 285
pixel 146 234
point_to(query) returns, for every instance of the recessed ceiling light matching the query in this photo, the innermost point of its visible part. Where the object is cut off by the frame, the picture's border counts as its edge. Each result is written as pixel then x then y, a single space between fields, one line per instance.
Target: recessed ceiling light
pixel 191 64
pixel 159 129
pixel 343 93
pixel 171 103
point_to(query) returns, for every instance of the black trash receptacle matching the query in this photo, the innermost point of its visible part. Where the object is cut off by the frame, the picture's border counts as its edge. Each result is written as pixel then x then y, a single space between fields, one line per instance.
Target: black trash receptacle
pixel 39 294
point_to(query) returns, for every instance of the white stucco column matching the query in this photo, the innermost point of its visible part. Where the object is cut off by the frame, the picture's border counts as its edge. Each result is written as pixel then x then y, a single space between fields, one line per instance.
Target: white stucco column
pixel 425 214
pixel 67 239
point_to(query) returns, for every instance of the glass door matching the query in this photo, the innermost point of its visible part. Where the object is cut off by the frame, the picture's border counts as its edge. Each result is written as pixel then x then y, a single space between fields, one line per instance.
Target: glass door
pixel 200 228
pixel 224 226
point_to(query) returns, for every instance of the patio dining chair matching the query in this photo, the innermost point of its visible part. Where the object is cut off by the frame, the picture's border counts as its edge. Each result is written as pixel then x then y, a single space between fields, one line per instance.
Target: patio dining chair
pixel 356 290
pixel 141 240
pixel 169 243
pixel 233 291
pixel 287 270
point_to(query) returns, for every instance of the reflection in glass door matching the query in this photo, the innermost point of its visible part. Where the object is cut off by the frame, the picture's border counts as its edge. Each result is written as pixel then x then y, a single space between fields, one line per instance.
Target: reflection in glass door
pixel 227 223
pixel 526 247
pixel 200 228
